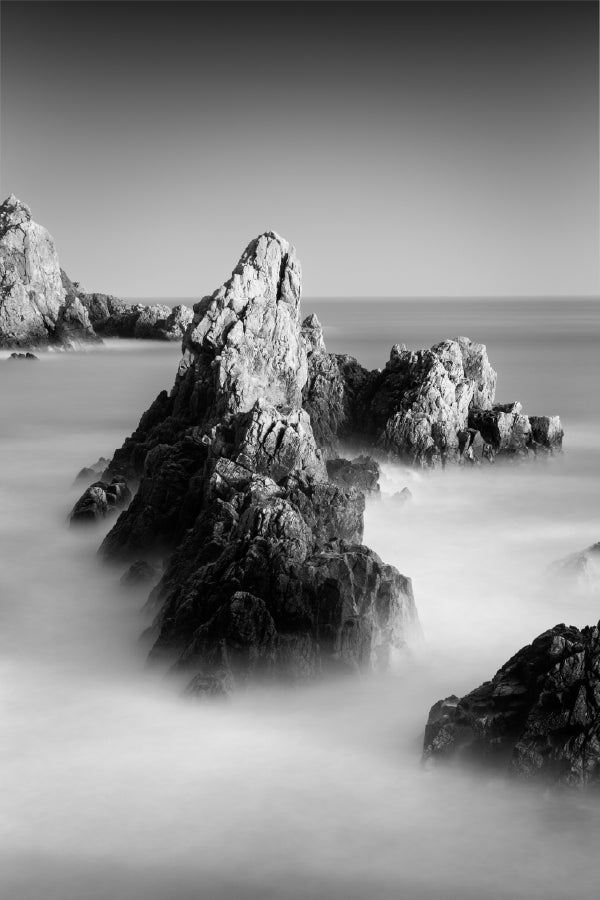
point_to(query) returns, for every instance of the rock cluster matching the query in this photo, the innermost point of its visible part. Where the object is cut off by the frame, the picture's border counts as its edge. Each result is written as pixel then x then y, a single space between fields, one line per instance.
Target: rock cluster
pixel 267 575
pixel 100 499
pixel 112 317
pixel 538 718
pixel 426 407
pixel 40 305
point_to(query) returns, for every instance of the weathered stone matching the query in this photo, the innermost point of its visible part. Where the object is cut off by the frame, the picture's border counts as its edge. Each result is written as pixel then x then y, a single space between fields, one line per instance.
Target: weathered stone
pixel 98 500
pixel 267 577
pixel 539 717
pixel 361 473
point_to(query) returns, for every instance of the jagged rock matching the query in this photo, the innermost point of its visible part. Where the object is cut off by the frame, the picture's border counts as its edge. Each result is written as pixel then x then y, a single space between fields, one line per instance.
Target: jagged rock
pixel 91 473
pixel 31 291
pixel 361 473
pixel 35 308
pixel 331 390
pixel 98 500
pixel 267 577
pixel 140 574
pixel 546 431
pixel 504 427
pixel 582 567
pixel 539 717
pixel 26 356
pixel 112 317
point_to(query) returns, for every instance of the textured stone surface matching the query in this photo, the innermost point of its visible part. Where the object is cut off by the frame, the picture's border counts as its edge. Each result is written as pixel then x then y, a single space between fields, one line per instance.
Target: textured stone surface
pixel 31 290
pixel 361 473
pixel 539 717
pixel 100 499
pixel 112 317
pixel 426 407
pixel 267 577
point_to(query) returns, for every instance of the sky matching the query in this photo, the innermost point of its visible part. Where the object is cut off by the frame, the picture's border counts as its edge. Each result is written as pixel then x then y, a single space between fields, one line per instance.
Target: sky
pixel 404 148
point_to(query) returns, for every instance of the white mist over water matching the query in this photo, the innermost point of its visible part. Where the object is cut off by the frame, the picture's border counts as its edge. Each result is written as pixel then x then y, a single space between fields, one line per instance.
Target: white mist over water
pixel 112 786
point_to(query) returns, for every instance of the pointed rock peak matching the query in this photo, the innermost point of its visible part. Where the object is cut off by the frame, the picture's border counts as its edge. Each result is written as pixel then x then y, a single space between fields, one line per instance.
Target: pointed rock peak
pixel 13 212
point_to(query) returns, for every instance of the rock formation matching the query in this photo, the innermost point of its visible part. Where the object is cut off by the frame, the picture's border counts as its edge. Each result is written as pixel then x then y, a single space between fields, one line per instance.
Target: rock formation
pixel 112 317
pixel 539 717
pixel 267 576
pixel 33 305
pixel 100 499
pixel 40 305
pixel 426 407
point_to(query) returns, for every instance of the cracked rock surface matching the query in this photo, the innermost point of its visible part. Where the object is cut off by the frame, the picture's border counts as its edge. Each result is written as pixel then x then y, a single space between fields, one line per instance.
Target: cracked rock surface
pixel 267 577
pixel 538 718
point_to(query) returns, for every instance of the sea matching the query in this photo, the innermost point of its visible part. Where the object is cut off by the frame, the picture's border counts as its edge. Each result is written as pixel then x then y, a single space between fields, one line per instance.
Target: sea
pixel 114 786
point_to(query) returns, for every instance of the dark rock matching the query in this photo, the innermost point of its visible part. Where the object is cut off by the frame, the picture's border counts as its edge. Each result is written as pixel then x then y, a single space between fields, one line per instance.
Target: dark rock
pixel 26 356
pixel 112 317
pixel 91 473
pixel 98 500
pixel 267 577
pixel 361 473
pixel 140 574
pixel 539 717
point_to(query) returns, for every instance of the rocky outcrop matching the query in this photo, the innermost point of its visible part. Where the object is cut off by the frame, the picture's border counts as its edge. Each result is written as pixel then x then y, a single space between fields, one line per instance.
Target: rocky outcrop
pixel 112 317
pixel 426 407
pixel 34 310
pixel 91 473
pixel 100 499
pixel 267 576
pixel 538 718
pixel 40 305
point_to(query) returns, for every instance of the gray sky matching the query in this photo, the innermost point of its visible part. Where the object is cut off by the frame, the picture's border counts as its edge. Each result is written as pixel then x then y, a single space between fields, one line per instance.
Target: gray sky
pixel 404 148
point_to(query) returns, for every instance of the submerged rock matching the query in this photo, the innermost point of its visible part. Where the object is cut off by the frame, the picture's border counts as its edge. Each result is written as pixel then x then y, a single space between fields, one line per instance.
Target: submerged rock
pixel 538 718
pixel 100 499
pixel 267 577
pixel 25 356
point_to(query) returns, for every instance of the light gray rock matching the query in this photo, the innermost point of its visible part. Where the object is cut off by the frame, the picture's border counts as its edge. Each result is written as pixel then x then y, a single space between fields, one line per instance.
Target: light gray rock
pixel 31 290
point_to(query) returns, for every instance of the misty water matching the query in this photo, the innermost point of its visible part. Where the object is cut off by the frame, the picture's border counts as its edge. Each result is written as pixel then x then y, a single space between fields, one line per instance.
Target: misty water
pixel 113 786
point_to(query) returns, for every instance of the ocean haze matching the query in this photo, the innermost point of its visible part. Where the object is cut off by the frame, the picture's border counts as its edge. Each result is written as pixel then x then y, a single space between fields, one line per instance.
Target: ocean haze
pixel 404 148
pixel 113 786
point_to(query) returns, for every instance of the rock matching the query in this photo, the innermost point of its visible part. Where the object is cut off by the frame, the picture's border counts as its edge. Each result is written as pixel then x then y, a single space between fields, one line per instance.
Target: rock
pixel 91 473
pixel 361 473
pixel 98 500
pixel 538 718
pixel 34 307
pixel 26 356
pixel 582 567
pixel 267 577
pixel 546 431
pixel 112 317
pixel 402 497
pixel 140 574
